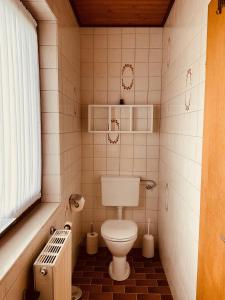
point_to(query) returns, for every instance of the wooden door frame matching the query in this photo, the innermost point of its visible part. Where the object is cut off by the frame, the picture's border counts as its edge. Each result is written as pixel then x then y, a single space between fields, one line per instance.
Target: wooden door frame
pixel 211 259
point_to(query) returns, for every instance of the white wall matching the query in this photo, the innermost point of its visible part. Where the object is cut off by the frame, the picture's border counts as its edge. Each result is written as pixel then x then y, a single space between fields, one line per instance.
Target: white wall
pixel 181 144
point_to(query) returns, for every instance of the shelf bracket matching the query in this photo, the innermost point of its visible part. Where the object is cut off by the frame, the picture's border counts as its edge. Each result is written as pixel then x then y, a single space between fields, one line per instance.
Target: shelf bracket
pixel 221 5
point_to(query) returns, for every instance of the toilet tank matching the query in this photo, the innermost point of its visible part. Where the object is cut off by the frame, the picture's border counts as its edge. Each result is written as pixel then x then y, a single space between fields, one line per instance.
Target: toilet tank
pixel 120 190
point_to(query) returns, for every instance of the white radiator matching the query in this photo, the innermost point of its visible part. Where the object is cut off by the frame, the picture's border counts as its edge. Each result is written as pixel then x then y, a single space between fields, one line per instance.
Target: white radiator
pixel 52 268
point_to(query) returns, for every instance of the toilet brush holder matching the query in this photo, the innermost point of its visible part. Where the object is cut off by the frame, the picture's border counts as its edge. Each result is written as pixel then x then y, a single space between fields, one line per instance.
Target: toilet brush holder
pixel 148 244
pixel 76 293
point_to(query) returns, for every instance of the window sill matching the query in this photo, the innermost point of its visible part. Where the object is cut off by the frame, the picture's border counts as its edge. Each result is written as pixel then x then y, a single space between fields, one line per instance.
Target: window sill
pixel 13 244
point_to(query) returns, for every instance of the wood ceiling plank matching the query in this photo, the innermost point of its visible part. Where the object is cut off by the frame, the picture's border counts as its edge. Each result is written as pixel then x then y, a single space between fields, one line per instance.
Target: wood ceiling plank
pixel 122 12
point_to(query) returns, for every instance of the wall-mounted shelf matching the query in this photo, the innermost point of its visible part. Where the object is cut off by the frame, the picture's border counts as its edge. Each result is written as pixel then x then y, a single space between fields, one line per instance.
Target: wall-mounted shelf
pixel 120 118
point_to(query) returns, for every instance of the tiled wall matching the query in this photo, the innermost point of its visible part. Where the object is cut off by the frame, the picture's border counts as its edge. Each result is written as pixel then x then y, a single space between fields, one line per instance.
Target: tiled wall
pixel 103 55
pixel 59 48
pixel 59 41
pixel 184 43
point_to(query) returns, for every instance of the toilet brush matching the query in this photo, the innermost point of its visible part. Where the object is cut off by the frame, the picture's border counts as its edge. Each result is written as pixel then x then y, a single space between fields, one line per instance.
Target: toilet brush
pixel 148 243
pixel 149 225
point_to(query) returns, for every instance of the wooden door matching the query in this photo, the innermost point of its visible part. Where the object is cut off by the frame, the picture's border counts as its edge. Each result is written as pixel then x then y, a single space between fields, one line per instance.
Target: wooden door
pixel 211 269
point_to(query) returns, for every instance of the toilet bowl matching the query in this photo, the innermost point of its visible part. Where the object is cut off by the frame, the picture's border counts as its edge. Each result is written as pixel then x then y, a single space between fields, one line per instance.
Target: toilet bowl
pixel 119 236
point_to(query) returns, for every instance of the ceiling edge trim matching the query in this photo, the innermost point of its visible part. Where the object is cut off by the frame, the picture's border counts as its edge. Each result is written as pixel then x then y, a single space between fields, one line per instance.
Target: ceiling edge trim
pixel 74 9
pixel 119 25
pixel 167 13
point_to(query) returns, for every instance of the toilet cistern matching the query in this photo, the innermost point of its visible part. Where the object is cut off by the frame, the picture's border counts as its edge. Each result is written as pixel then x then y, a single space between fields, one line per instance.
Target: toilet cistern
pixel 119 235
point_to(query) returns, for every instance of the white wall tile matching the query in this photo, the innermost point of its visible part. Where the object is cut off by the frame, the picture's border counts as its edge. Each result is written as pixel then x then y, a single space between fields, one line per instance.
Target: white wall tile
pixel 86 41
pixel 47 33
pixel 100 41
pixel 114 41
pixel 128 55
pixel 142 40
pixel 114 55
pixel 128 40
pixel 48 56
pixel 100 69
pixel 100 55
pixel 180 143
pixel 155 41
pixel 142 55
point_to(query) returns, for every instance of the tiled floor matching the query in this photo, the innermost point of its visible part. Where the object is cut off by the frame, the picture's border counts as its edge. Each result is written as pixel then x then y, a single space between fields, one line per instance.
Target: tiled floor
pixel 147 280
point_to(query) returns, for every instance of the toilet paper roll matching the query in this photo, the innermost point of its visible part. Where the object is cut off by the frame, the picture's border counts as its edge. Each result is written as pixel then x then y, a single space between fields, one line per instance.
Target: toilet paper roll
pixel 92 242
pixel 77 202
pixel 81 204
pixel 148 246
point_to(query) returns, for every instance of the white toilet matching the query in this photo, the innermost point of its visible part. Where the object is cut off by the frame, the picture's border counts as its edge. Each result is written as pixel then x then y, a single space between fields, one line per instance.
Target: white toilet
pixel 119 235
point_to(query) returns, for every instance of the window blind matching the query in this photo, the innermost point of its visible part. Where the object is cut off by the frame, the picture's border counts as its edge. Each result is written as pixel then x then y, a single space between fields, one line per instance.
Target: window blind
pixel 20 137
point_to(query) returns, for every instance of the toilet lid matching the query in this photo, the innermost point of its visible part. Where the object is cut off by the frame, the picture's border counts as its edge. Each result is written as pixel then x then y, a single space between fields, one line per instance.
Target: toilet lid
pixel 118 230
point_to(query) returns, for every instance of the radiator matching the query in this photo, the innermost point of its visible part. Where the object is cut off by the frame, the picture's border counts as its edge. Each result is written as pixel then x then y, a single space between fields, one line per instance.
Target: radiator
pixel 52 268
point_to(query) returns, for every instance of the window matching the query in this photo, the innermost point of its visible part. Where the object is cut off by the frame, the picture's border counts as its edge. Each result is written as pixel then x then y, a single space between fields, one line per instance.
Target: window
pixel 20 137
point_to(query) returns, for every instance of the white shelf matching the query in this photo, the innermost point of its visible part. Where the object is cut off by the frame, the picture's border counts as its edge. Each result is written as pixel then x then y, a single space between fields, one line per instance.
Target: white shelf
pixel 120 118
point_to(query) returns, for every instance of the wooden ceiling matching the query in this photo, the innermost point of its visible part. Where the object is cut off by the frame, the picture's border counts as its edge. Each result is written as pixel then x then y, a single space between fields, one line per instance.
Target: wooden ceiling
pixel 122 13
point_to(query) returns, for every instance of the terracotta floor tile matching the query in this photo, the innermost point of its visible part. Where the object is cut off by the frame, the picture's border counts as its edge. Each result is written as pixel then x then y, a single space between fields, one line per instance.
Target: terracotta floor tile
pixel 162 282
pixel 139 276
pixel 125 282
pixel 80 263
pixel 106 275
pixel 154 264
pixel 103 281
pixel 102 296
pixel 96 263
pixel 159 270
pixel 155 276
pixel 146 282
pixel 86 268
pixel 163 290
pixel 77 274
pixel 124 297
pixel 82 280
pixel 93 274
pixel 166 297
pixel 145 270
pixel 113 288
pixel 139 264
pixel 148 297
pixel 101 269
pixel 85 295
pixel 136 289
pixel 91 288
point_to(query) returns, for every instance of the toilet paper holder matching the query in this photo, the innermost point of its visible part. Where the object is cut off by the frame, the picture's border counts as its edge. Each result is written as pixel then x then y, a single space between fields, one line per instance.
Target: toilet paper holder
pixel 150 184
pixel 73 200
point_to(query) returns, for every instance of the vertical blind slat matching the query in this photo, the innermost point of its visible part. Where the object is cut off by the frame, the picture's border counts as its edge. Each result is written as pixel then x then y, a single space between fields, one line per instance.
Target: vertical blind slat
pixel 20 142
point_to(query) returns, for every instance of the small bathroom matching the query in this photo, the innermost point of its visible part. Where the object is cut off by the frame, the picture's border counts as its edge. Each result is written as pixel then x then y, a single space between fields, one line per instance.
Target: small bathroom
pixel 112 149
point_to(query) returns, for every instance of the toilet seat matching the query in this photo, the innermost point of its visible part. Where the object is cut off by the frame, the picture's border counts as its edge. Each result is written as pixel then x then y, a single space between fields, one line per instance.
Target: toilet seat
pixel 119 230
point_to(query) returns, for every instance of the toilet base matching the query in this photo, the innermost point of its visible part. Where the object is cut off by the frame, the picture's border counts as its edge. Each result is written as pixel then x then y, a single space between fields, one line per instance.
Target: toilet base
pixel 119 268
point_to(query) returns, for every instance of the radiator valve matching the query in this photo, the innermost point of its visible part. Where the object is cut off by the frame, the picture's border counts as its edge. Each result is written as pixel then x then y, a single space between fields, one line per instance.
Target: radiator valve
pixel 44 271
